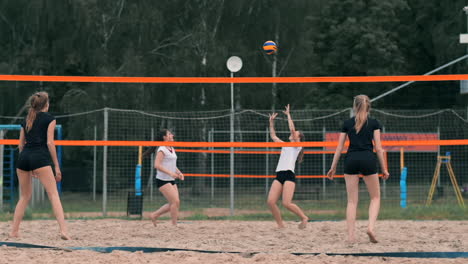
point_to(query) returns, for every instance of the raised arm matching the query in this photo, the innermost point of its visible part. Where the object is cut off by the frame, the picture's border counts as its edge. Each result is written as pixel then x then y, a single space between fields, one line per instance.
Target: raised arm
pixel 336 157
pixel 53 151
pixel 272 128
pixel 380 154
pixel 292 128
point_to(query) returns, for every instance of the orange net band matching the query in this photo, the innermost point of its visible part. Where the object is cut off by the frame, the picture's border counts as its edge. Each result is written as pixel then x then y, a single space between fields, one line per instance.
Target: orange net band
pixel 109 79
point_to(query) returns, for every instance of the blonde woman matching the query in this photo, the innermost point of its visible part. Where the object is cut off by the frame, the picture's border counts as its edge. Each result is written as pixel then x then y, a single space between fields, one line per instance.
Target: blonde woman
pixel 362 131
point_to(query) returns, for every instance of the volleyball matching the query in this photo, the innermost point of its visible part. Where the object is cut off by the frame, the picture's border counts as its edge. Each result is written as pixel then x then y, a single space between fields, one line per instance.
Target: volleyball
pixel 270 47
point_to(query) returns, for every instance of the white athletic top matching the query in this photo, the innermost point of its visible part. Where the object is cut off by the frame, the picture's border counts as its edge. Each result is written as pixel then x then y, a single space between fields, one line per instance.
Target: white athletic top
pixel 169 163
pixel 288 157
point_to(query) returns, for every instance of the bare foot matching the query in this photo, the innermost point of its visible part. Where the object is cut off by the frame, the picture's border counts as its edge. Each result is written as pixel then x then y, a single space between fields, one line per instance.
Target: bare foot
pixel 351 240
pixel 154 219
pixel 64 236
pixel 281 226
pixel 372 238
pixel 303 223
pixel 13 235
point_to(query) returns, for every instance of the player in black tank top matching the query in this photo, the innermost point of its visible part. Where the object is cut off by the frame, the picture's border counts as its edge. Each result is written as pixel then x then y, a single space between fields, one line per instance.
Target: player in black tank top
pixel 360 159
pixel 37 153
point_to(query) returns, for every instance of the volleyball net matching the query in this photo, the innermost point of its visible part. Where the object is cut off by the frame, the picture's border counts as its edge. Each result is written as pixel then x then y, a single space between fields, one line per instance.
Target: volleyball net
pixel 100 154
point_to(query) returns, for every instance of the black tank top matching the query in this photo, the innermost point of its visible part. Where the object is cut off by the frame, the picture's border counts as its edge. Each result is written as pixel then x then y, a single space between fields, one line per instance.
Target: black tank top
pixel 36 138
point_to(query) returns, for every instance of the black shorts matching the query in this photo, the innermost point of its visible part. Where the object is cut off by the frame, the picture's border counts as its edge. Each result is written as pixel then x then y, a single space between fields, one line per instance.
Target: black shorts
pixel 161 183
pixel 360 162
pixel 283 176
pixel 31 159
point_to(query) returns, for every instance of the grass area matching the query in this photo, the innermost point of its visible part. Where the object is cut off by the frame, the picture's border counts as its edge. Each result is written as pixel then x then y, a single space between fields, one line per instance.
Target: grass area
pixel 252 206
pixel 436 212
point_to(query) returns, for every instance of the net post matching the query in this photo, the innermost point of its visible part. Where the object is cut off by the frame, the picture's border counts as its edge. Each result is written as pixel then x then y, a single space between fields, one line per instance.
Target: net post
pixel 94 164
pixel 104 163
pixel 231 163
pixel 324 169
pixel 1 171
pixel 150 181
pixel 211 139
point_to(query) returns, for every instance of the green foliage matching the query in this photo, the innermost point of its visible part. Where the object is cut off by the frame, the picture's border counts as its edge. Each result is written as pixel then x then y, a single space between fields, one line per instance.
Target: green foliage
pixel 194 38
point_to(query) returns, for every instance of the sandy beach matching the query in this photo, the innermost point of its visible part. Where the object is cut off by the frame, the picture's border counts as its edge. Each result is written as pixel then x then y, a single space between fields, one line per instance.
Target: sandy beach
pixel 269 244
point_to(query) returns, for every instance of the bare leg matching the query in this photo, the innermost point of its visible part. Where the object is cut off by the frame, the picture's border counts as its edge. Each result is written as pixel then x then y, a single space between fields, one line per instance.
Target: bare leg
pixel 172 195
pixel 24 178
pixel 352 189
pixel 46 176
pixel 273 196
pixel 373 186
pixel 288 193
pixel 156 214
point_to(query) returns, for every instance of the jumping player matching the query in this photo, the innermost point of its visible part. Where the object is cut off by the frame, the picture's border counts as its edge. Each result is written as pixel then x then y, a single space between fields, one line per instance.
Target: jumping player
pixel 285 181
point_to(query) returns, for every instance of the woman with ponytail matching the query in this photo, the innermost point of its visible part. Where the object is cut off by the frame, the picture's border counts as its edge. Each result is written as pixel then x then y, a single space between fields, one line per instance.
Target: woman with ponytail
pixel 167 172
pixel 360 159
pixel 285 181
pixel 37 153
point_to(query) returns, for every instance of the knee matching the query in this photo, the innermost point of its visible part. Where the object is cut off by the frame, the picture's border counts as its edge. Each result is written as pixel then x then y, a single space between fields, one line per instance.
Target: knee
pixel 26 196
pixel 271 202
pixel 287 204
pixel 175 203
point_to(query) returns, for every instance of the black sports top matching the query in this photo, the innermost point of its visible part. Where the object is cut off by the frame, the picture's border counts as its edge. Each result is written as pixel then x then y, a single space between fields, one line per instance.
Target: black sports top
pixel 363 140
pixel 37 136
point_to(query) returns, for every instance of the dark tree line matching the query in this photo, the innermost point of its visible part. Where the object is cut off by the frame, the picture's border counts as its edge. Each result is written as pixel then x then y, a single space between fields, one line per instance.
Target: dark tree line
pixel 195 38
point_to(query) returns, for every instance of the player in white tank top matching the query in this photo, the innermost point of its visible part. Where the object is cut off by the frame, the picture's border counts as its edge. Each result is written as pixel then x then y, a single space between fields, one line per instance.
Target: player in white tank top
pixel 285 182
pixel 167 171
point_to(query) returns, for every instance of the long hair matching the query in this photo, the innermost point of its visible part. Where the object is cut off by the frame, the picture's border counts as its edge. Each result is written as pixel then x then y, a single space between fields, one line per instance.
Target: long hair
pixel 300 157
pixel 361 108
pixel 37 102
pixel 159 137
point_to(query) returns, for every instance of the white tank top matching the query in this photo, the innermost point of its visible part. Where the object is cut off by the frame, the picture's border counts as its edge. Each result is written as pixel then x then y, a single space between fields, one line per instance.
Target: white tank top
pixel 288 157
pixel 169 163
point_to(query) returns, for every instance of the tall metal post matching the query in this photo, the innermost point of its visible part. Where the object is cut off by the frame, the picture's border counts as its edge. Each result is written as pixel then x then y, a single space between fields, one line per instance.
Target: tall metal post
pixel 94 165
pixel 211 139
pixel 104 164
pixel 151 168
pixel 324 166
pixel 234 64
pixel 231 165
pixel 1 172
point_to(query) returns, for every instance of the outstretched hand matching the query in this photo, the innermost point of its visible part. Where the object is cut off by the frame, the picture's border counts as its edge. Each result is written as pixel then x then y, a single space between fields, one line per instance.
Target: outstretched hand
pixel 286 111
pixel 272 116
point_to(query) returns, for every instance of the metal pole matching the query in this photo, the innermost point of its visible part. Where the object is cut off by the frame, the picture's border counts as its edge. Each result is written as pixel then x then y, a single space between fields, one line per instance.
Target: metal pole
pixel 232 150
pixel 211 139
pixel 151 168
pixel 438 153
pixel 104 164
pixel 94 164
pixel 1 171
pixel 324 169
